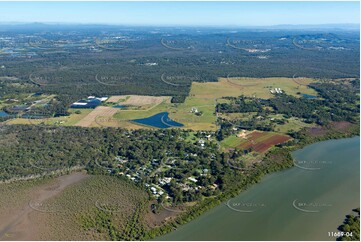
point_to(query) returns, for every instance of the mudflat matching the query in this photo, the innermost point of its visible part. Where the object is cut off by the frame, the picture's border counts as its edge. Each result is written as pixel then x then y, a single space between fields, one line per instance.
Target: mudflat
pixel 19 224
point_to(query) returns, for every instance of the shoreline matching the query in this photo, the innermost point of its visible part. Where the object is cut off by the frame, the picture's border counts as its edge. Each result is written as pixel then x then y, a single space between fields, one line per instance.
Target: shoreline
pixel 174 225
pixel 271 174
pixel 208 204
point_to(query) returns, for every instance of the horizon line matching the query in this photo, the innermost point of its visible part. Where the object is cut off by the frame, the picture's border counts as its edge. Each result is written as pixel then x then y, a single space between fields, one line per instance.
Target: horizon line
pixel 174 25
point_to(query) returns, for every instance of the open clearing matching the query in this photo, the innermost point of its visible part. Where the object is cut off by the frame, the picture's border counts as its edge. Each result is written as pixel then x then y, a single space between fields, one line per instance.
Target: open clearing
pixel 260 87
pixel 203 97
pixel 292 123
pixel 138 100
pixel 18 222
pixel 89 119
pixel 258 141
pixel 67 208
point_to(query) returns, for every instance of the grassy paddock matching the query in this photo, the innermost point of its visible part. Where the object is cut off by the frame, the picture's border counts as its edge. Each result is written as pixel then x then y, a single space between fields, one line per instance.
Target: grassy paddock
pixel 259 87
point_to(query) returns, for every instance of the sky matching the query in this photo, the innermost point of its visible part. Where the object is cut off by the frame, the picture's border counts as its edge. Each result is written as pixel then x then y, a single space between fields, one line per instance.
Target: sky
pixel 183 13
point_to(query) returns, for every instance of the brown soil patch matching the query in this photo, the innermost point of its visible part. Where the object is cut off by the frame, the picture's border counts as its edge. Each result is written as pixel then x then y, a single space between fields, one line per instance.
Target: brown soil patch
pixel 262 141
pixel 155 220
pixel 100 111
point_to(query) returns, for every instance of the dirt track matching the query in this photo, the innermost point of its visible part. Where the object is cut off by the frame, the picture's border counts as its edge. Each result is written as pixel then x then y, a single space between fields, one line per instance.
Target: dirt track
pixel 19 225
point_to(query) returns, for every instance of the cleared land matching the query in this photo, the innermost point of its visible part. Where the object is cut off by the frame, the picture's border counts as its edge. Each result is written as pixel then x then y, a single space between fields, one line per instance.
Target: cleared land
pixel 259 141
pixel 260 87
pixel 102 111
pixel 21 203
pixel 138 100
pixel 71 207
pixel 202 97
pixel 292 123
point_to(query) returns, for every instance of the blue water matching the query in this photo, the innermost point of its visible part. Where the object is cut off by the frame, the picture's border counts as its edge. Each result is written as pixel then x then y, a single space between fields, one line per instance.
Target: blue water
pixel 120 106
pixel 160 120
pixel 273 217
pixel 4 114
pixel 309 96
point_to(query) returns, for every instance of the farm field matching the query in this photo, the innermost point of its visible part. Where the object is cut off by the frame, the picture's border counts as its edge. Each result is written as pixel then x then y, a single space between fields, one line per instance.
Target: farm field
pixel 202 97
pixel 259 87
pixel 259 141
pixel 89 119
pixel 138 100
pixel 179 112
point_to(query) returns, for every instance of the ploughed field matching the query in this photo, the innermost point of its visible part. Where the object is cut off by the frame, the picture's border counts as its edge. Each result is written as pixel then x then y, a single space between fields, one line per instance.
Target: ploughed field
pixel 262 141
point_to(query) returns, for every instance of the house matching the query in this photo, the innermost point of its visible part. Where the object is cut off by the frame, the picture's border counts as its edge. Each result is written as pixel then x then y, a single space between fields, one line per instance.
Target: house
pixel 154 190
pixel 192 179
pixel 89 103
pixel 194 110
